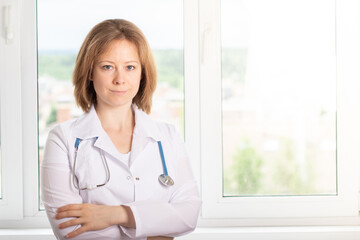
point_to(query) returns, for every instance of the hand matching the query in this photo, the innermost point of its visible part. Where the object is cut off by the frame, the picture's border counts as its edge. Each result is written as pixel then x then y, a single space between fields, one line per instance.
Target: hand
pixel 160 238
pixel 90 216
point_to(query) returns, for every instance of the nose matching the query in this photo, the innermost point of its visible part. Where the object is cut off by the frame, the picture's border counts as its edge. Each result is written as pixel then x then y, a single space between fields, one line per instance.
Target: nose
pixel 118 78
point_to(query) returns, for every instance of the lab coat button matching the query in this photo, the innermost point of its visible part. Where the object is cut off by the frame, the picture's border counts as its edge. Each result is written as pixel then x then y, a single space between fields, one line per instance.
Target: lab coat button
pixel 128 177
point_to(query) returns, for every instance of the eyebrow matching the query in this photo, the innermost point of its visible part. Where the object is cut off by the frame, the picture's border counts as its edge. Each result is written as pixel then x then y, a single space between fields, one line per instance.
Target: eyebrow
pixel 131 61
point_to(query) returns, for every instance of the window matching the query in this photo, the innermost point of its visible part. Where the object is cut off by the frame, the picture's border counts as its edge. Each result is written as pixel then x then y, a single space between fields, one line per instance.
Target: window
pixel 278 117
pixel 215 98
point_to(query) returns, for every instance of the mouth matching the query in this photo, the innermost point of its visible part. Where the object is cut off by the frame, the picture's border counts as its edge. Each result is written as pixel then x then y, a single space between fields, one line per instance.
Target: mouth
pixel 118 92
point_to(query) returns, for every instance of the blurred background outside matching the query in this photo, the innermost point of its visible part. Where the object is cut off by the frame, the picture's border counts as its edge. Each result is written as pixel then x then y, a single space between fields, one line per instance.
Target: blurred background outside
pixel 278 97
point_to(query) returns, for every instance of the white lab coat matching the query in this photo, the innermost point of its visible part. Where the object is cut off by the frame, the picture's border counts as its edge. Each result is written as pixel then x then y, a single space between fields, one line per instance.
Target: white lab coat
pixel 158 210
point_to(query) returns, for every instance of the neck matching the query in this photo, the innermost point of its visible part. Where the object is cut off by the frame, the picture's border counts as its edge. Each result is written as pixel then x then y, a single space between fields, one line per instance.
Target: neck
pixel 116 119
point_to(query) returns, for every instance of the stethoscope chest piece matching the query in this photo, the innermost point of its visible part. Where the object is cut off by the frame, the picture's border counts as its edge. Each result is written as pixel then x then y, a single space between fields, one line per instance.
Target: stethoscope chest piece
pixel 166 180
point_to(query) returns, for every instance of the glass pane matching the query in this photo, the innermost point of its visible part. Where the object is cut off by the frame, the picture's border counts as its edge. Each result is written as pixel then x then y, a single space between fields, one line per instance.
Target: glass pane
pixel 278 97
pixel 63 25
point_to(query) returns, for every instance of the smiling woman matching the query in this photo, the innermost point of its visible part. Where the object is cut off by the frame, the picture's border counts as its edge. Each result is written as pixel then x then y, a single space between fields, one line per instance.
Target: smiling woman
pixel 58 46
pixel 114 80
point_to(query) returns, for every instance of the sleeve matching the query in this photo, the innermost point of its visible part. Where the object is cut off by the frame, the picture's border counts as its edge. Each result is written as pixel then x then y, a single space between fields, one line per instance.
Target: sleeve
pixel 176 217
pixel 57 189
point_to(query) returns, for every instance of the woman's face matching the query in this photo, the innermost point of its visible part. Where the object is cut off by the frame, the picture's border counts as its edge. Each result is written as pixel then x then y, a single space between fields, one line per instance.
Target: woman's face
pixel 116 74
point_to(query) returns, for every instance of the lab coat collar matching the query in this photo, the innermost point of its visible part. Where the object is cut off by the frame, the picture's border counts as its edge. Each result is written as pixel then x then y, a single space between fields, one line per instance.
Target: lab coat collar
pixel 145 131
pixel 144 125
pixel 89 125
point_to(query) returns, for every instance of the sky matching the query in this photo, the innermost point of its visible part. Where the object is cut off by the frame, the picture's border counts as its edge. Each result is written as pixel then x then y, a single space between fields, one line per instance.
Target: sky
pixel 63 25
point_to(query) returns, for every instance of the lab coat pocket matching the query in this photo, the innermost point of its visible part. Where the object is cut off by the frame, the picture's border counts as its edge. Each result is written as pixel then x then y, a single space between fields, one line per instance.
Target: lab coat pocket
pixel 90 168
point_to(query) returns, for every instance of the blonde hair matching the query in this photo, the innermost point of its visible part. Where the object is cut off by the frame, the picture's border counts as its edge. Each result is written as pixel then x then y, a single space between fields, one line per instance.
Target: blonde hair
pixel 95 43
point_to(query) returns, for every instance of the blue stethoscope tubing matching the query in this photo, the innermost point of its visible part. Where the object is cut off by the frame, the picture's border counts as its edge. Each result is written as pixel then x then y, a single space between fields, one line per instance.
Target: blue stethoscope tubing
pixel 162 158
pixel 164 178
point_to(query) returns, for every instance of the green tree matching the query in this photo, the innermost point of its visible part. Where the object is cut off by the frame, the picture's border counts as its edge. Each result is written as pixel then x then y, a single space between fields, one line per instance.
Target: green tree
pixel 170 67
pixel 52 116
pixel 245 174
pixel 287 178
pixel 58 66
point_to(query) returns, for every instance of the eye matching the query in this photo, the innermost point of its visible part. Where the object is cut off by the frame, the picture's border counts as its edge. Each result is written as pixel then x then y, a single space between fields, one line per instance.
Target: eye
pixel 130 67
pixel 107 67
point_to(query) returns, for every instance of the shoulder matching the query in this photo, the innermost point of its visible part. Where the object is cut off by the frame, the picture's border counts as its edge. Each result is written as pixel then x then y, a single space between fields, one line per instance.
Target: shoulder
pixel 170 134
pixel 159 129
pixel 62 133
pixel 167 130
pixel 63 129
pixel 146 126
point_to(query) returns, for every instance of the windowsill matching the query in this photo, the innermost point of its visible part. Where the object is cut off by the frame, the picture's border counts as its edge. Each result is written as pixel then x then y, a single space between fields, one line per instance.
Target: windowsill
pixel 294 233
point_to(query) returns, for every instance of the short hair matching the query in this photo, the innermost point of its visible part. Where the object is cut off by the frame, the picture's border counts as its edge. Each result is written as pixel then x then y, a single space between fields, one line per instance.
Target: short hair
pixel 95 43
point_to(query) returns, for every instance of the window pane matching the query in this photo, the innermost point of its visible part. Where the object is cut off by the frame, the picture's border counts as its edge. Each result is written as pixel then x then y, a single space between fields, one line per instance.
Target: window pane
pixel 63 25
pixel 278 97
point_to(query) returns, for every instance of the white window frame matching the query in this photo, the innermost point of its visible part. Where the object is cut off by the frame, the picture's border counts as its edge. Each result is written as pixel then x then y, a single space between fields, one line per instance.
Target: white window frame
pixel 10 107
pixel 263 210
pixel 202 62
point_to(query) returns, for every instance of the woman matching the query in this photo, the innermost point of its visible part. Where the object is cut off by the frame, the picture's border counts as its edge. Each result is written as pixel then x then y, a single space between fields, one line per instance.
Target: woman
pixel 100 172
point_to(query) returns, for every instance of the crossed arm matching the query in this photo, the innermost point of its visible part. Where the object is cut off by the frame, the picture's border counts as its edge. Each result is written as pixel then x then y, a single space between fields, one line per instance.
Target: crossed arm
pixel 94 217
pixel 81 218
pixel 71 218
pixel 97 217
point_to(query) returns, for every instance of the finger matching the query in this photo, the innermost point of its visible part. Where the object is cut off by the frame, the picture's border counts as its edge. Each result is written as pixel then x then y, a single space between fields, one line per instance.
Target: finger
pixel 69 213
pixel 69 207
pixel 76 232
pixel 72 222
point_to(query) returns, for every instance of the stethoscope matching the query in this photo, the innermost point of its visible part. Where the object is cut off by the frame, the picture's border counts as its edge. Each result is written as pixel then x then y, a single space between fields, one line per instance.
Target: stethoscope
pixel 164 178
